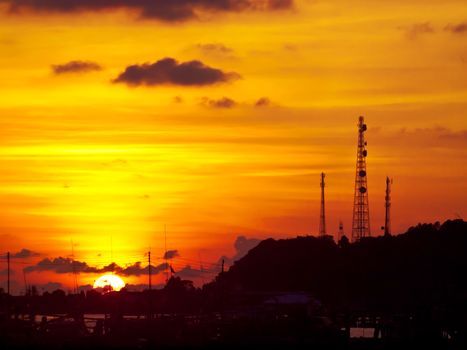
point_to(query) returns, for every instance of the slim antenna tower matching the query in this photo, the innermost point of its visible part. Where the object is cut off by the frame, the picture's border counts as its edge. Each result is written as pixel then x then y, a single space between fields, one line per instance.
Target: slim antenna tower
pixel 387 205
pixel 361 211
pixel 322 216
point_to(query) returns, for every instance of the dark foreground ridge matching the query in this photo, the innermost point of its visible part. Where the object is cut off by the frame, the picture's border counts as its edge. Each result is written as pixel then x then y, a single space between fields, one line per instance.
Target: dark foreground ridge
pixel 399 291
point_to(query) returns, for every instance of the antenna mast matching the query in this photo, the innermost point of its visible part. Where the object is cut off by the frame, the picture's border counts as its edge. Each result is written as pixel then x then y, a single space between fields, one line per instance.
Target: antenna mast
pixel 361 211
pixel 322 216
pixel 387 205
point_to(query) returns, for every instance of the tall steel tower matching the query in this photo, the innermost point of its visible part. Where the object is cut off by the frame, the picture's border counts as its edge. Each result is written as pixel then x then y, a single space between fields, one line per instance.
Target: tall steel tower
pixel 387 205
pixel 361 211
pixel 322 216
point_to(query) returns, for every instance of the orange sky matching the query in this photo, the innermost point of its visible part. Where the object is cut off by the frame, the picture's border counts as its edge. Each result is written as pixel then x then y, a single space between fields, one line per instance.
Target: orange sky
pixel 88 160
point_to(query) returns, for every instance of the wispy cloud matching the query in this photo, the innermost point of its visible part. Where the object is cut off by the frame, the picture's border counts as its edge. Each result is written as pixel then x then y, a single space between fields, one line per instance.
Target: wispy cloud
pixel 223 102
pixel 416 30
pixel 460 28
pixel 76 67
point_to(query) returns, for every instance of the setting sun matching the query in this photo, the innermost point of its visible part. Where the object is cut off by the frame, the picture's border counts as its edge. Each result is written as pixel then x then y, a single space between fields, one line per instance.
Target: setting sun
pixel 106 281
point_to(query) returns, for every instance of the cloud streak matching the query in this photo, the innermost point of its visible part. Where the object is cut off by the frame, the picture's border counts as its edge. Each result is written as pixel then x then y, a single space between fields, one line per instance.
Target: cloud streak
pixel 170 72
pixel 263 102
pixel 215 49
pixel 460 28
pixel 76 67
pixel 163 10
pixel 417 29
pixel 62 265
pixel 223 102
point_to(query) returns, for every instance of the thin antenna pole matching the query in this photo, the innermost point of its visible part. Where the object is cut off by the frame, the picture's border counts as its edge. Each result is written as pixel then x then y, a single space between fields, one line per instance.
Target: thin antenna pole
pixel 149 270
pixel 8 272
pixel 322 218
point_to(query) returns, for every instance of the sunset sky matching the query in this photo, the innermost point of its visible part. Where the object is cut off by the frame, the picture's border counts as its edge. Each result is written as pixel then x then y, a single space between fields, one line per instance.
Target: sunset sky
pixel 214 119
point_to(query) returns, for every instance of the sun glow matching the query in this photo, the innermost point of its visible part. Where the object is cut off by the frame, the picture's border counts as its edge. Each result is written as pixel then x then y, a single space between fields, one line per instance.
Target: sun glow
pixel 109 283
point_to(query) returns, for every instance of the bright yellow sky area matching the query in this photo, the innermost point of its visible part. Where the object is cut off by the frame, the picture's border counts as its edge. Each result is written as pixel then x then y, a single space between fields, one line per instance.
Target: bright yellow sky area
pixel 86 160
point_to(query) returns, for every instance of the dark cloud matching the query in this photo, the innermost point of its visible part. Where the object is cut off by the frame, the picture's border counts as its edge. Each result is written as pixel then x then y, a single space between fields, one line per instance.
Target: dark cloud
pixel 164 10
pixel 65 265
pixel 24 254
pixel 170 72
pixel 224 102
pixel 170 254
pixel 208 271
pixel 189 273
pixel 76 67
pixel 215 49
pixel 263 102
pixel 418 29
pixel 460 28
pixel 243 245
pixel 58 265
pixel 137 269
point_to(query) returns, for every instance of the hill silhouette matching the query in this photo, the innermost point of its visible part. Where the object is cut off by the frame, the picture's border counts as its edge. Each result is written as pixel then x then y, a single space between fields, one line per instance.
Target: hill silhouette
pixel 404 289
pixel 422 268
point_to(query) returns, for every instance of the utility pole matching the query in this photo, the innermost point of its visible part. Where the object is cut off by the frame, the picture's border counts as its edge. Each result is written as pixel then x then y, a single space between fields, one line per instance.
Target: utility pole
pixel 322 216
pixel 165 255
pixel 223 262
pixel 149 270
pixel 8 272
pixel 361 211
pixel 387 205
